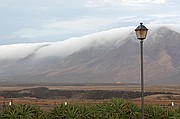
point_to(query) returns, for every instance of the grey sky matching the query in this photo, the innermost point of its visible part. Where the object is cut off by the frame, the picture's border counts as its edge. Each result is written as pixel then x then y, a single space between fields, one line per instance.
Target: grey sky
pixel 27 21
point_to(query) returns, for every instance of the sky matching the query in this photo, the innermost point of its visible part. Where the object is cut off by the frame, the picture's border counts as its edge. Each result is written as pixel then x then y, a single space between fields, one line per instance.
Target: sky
pixel 35 21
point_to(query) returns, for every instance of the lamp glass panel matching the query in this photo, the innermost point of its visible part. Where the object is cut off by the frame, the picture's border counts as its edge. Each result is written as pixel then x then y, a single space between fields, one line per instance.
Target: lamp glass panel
pixel 141 34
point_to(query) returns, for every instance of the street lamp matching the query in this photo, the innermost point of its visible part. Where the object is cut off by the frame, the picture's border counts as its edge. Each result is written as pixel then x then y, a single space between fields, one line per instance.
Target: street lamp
pixel 141 32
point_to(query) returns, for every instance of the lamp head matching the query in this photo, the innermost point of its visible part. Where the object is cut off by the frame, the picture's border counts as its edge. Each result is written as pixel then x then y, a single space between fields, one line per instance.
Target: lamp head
pixel 141 32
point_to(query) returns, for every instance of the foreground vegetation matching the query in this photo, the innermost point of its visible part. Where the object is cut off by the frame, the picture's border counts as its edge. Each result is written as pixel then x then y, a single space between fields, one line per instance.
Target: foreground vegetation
pixel 114 109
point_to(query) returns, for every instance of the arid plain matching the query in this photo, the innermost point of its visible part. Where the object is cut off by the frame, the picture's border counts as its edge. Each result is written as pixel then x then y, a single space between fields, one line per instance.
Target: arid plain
pixel 162 95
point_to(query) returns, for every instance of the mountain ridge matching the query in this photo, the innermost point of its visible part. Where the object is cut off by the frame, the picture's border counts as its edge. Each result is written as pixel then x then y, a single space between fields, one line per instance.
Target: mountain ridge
pixel 105 59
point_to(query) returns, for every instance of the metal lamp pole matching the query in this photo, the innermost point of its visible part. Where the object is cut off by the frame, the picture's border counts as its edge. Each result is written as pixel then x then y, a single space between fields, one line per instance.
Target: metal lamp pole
pixel 142 80
pixel 141 32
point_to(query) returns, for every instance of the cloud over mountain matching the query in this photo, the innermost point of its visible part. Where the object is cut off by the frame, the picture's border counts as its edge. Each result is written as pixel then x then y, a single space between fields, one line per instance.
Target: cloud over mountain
pixel 103 57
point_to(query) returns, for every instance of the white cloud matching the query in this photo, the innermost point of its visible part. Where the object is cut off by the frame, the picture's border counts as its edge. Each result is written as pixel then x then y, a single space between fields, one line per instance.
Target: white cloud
pixel 96 3
pixel 52 20
pixel 165 18
pixel 84 24
pixel 32 33
pixel 62 48
pixel 18 51
pixel 70 46
pixel 142 2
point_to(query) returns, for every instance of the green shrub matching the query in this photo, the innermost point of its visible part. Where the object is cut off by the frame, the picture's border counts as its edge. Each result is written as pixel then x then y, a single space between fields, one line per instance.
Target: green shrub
pixel 133 111
pixel 114 109
pixel 155 112
pixel 84 112
pixel 58 112
pixel 173 113
pixel 25 111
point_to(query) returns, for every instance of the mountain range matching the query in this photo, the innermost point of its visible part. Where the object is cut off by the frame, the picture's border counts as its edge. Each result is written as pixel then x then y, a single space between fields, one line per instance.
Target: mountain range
pixel 104 57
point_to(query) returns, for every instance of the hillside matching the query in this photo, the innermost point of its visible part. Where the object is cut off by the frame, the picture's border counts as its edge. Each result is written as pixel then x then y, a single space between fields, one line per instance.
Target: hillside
pixel 105 57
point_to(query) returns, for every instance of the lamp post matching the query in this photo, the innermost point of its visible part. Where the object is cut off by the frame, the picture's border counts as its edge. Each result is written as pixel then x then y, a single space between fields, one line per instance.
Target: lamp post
pixel 141 32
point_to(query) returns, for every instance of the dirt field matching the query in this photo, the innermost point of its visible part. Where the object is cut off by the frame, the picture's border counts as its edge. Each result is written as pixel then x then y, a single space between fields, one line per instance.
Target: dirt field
pixel 147 88
pixel 156 99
